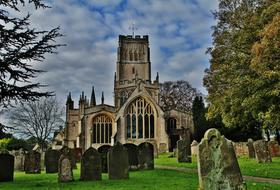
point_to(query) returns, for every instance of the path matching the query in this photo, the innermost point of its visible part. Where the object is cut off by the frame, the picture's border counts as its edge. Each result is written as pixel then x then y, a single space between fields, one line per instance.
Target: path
pixel 247 178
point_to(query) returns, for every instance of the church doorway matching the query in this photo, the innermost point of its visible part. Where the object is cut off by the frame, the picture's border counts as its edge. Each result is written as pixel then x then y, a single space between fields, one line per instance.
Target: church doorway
pixel 172 134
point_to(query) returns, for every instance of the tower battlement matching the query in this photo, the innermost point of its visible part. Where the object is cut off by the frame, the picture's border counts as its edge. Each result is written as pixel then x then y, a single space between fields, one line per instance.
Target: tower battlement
pixel 123 38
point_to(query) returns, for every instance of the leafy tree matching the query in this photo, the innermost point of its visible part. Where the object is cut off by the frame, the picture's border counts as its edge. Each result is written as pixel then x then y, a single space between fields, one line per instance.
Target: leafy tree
pixel 38 119
pixel 199 119
pixel 177 95
pixel 21 47
pixel 243 78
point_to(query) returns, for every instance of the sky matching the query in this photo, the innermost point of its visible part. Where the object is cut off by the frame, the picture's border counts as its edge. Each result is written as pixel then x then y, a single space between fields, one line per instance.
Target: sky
pixel 179 33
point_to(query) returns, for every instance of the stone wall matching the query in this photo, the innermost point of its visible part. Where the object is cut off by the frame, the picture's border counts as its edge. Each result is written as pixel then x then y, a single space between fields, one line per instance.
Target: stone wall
pixel 241 149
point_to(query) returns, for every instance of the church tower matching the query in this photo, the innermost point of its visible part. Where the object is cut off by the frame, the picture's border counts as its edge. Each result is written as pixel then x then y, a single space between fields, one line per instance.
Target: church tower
pixel 133 66
pixel 133 58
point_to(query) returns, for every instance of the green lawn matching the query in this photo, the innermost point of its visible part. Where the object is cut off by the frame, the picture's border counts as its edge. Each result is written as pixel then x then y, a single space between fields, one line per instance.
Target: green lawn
pixel 150 180
pixel 248 166
pixel 138 180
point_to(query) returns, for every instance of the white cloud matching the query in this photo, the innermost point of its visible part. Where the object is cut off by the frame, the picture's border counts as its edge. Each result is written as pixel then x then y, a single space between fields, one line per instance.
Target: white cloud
pixel 179 33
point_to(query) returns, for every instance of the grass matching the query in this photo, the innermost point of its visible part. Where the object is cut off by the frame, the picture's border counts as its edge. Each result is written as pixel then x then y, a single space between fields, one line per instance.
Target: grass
pixel 248 166
pixel 252 168
pixel 149 180
pixel 138 180
pixel 141 180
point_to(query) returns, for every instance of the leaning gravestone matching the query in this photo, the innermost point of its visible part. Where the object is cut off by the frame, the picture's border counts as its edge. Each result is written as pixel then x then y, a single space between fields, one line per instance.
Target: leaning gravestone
pixel 132 150
pixel 251 150
pixel 146 156
pixel 65 173
pixel 6 167
pixel 32 162
pixel 91 167
pixel 273 148
pixel 262 152
pixel 217 164
pixel 118 165
pixel 51 160
pixel 103 151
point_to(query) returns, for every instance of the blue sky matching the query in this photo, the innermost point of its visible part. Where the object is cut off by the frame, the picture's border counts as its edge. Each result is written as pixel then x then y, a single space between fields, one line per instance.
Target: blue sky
pixel 179 33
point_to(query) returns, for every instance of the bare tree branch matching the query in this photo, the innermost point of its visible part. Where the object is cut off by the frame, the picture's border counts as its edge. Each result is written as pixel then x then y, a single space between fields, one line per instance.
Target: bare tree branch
pixel 37 119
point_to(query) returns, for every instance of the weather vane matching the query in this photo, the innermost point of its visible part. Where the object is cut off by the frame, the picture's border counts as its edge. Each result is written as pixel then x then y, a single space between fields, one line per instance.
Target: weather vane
pixel 133 28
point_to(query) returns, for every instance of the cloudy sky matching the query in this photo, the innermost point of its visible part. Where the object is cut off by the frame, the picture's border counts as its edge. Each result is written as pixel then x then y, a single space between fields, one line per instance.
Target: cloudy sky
pixel 179 32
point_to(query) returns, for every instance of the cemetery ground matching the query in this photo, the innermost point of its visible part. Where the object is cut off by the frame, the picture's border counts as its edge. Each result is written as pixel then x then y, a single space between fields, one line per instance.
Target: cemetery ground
pixel 160 179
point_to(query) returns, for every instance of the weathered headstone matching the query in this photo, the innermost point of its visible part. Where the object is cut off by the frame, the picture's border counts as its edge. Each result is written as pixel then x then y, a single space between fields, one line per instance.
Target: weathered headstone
pixel 65 173
pixel 71 154
pixel 273 148
pixel 91 167
pixel 217 163
pixel 251 150
pixel 6 167
pixel 182 154
pixel 103 151
pixel 194 147
pixel 19 159
pixel 262 152
pixel 146 156
pixel 132 150
pixel 118 165
pixel 51 161
pixel 32 162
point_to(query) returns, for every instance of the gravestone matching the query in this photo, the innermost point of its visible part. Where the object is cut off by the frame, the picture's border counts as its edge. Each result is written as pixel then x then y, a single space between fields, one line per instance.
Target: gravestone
pixel 194 147
pixel 217 164
pixel 132 150
pixel 182 153
pixel 51 161
pixel 65 173
pixel 19 159
pixel 262 152
pixel 118 165
pixel 71 154
pixel 91 167
pixel 251 150
pixel 273 148
pixel 6 167
pixel 146 156
pixel 32 162
pixel 103 151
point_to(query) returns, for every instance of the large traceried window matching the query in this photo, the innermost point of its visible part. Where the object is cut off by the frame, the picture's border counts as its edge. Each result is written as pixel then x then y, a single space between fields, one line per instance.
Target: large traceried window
pixel 101 129
pixel 140 120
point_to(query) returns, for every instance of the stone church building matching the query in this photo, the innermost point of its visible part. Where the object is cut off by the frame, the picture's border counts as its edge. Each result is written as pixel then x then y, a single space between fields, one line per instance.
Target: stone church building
pixel 136 116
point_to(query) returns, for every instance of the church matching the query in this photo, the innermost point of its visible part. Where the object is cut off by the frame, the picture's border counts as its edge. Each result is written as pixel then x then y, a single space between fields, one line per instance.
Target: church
pixel 136 116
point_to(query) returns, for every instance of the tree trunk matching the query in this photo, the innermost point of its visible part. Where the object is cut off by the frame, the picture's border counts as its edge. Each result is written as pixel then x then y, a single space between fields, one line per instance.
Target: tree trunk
pixel 278 136
pixel 267 134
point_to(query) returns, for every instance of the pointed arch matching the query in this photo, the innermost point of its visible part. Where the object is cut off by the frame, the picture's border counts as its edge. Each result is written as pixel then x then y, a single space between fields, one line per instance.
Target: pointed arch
pixel 140 119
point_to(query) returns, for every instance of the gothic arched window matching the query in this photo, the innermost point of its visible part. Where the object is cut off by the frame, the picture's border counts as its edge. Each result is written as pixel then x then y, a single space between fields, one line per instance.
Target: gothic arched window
pixel 140 120
pixel 101 129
